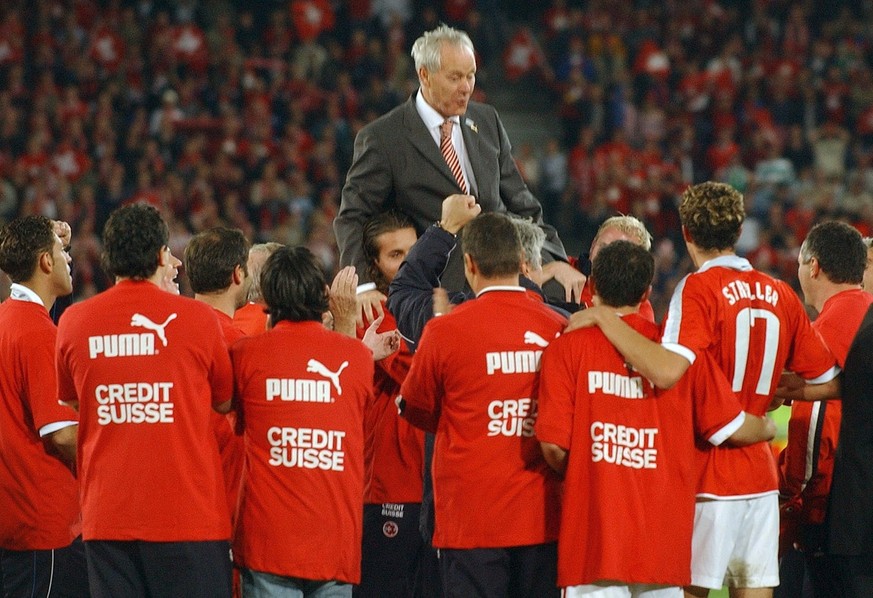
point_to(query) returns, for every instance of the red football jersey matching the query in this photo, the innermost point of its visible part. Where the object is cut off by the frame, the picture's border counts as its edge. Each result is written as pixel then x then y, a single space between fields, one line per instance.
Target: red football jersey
pixel 146 367
pixel 630 480
pixel 39 497
pixel 814 428
pixel 473 382
pixel 754 326
pixel 393 448
pixel 301 391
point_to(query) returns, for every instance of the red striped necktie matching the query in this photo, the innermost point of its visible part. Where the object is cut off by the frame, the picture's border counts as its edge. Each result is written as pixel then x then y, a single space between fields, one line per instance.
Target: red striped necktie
pixel 451 157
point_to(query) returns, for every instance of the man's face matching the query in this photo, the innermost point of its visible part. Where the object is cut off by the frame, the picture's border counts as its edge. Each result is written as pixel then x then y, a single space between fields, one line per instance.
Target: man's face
pixel 169 271
pixel 448 89
pixel 61 272
pixel 804 276
pixel 868 272
pixel 393 247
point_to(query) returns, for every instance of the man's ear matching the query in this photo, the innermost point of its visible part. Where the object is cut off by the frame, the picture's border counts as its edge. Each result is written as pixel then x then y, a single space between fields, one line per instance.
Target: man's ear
pixel 469 264
pixel 238 275
pixel 46 262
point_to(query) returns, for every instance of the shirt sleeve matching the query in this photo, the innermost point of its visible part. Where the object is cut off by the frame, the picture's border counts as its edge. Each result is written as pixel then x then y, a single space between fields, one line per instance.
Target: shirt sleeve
pixel 556 393
pixel 221 371
pixel 717 411
pixel 41 387
pixel 810 358
pixel 422 390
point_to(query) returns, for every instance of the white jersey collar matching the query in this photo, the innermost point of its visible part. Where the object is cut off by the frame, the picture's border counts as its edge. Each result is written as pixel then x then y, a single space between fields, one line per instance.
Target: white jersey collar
pixel 734 262
pixel 19 292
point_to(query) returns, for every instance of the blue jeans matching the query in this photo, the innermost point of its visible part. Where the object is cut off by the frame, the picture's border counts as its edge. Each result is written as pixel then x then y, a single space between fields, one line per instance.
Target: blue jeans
pixel 257 584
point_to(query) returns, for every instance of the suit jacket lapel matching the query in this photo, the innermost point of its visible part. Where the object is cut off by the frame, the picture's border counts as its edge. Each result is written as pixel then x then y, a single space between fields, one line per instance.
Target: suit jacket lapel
pixel 474 153
pixel 420 139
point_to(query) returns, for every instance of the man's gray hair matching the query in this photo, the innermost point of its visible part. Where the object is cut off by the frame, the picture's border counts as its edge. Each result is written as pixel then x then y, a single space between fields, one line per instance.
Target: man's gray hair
pixel 426 49
pixel 532 238
pixel 267 249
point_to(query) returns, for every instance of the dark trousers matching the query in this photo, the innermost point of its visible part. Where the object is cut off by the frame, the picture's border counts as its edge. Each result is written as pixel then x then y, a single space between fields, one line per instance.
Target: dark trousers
pixel 58 573
pixel 390 551
pixel 159 569
pixel 516 572
pixel 855 575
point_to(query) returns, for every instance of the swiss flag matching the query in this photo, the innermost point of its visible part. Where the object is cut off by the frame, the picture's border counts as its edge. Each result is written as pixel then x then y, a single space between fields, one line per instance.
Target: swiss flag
pixel 522 54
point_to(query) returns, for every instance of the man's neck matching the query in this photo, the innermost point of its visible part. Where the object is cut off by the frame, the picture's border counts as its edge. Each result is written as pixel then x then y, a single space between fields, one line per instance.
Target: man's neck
pixel 480 284
pixel 701 256
pixel 829 289
pixel 223 302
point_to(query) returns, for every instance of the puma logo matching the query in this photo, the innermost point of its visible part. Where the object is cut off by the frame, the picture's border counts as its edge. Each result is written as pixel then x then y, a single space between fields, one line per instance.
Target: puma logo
pixel 319 368
pixel 532 338
pixel 143 322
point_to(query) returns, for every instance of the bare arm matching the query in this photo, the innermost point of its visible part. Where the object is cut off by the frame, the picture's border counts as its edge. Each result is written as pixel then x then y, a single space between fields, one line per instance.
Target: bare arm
pixel 663 367
pixel 555 456
pixel 754 429
pixel 793 388
pixel 224 407
pixel 64 441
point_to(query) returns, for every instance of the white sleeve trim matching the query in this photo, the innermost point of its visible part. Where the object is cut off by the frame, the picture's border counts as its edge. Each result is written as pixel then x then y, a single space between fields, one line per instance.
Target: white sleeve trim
pixel 681 350
pixel 826 377
pixel 367 286
pixel 54 427
pixel 719 437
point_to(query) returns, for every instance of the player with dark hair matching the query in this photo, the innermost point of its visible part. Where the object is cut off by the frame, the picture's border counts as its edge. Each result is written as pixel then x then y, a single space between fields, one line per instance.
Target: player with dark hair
pixel 393 449
pixel 216 265
pixel 40 545
pixel 301 391
pixel 626 450
pixel 472 384
pixel 146 368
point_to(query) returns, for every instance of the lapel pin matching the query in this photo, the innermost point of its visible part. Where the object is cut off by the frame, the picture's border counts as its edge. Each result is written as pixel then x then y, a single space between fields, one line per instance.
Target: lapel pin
pixel 472 125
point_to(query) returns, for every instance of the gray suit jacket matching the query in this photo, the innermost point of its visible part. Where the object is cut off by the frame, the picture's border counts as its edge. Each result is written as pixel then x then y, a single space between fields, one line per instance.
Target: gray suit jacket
pixel 398 166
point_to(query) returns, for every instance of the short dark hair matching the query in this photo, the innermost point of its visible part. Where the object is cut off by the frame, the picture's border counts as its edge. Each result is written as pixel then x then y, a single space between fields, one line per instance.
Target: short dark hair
pixel 713 215
pixel 132 240
pixel 294 286
pixel 384 222
pixel 211 257
pixel 22 241
pixel 839 249
pixel 622 271
pixel 492 242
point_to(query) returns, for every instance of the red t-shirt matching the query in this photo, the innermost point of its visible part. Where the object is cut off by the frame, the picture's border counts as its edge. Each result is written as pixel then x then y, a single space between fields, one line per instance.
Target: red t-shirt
pixel 230 445
pixel 301 391
pixel 393 448
pixel 146 367
pixel 473 382
pixel 754 326
pixel 39 497
pixel 814 428
pixel 251 318
pixel 630 480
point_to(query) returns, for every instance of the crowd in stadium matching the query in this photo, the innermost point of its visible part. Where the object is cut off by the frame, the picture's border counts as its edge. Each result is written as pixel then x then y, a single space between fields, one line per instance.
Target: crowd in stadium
pixel 246 114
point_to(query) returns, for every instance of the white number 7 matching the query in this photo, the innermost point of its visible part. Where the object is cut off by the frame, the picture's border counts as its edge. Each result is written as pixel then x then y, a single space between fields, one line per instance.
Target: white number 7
pixel 746 320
